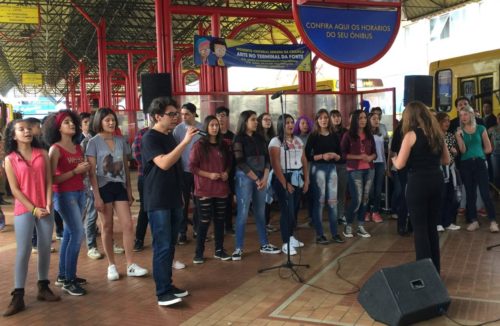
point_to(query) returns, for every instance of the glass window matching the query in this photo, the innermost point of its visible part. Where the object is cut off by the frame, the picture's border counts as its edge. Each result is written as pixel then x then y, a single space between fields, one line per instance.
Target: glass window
pixel 443 90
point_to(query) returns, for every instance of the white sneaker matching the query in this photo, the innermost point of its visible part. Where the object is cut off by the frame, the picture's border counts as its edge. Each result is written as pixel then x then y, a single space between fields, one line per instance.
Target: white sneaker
pixel 136 270
pixel 113 273
pixel 284 249
pixel 93 253
pixel 178 265
pixel 296 243
pixel 440 228
pixel 118 250
pixel 453 227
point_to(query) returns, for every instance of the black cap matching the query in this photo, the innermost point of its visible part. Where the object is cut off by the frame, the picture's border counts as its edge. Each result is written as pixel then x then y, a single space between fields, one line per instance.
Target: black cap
pixel 191 107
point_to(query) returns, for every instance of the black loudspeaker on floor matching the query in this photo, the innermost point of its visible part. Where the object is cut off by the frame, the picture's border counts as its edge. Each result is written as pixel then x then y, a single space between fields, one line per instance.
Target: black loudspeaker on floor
pixel 405 294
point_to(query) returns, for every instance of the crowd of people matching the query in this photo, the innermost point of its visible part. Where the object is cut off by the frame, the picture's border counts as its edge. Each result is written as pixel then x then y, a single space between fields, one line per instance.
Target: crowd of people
pixel 78 167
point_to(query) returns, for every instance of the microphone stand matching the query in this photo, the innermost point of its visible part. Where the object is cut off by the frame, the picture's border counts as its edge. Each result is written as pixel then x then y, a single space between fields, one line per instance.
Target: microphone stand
pixel 288 264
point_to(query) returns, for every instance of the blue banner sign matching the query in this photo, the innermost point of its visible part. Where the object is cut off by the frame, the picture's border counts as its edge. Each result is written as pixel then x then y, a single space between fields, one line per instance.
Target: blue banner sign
pixel 216 51
pixel 350 37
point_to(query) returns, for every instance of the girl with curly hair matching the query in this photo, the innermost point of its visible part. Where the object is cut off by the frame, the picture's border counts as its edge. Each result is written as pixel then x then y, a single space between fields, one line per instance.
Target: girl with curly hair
pixel 61 131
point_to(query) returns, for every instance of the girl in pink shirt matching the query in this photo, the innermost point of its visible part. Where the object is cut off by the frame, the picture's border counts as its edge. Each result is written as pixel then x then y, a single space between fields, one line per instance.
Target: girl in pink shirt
pixel 28 171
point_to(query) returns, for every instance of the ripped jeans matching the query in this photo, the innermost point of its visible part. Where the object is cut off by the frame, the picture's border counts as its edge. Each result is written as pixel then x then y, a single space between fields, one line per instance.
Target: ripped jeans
pixel 246 194
pixel 360 182
pixel 324 187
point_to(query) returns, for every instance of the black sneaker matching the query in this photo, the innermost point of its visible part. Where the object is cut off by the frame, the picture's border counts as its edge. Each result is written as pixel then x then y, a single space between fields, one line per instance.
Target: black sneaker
pixel 321 239
pixel 182 239
pixel 61 280
pixel 73 288
pixel 237 254
pixel 168 299
pixel 269 249
pixel 179 293
pixel 222 255
pixel 338 239
pixel 198 260
pixel 139 245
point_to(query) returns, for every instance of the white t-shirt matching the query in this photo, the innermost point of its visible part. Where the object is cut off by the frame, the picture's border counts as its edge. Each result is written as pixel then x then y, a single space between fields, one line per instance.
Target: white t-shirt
pixel 293 153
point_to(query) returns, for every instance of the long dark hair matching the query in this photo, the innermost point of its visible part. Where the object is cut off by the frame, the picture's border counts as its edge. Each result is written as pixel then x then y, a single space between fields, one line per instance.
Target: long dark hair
pixel 317 128
pixel 281 126
pixel 375 131
pixel 354 128
pixel 268 134
pixel 10 143
pixel 50 129
pixel 205 140
pixel 242 121
pixel 417 115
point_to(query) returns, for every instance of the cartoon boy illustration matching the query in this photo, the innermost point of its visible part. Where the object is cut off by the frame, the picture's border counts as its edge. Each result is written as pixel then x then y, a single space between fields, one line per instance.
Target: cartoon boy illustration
pixel 218 47
pixel 203 45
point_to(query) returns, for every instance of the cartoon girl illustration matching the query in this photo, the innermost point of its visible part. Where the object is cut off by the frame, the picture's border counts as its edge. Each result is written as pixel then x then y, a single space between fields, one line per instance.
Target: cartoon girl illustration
pixel 203 46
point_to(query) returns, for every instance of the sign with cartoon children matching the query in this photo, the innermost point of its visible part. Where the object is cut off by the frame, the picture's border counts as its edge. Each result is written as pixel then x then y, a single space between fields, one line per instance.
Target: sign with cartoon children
pixel 216 51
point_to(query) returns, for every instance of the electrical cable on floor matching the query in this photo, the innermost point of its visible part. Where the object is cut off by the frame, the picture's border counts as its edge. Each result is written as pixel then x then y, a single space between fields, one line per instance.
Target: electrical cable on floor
pixel 357 288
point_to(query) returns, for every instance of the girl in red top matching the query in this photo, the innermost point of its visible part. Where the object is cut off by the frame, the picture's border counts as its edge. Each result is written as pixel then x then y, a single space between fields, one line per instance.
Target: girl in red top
pixel 28 171
pixel 210 162
pixel 62 131
pixel 358 147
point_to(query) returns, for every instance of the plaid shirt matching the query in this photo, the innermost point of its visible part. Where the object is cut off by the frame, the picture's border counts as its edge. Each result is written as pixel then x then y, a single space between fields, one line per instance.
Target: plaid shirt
pixel 136 149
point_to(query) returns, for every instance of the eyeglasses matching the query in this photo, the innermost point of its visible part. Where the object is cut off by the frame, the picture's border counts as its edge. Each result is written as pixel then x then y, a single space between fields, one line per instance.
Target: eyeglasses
pixel 171 114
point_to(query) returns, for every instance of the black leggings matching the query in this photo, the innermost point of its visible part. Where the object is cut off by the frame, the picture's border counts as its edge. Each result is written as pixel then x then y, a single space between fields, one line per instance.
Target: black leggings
pixel 423 195
pixel 208 208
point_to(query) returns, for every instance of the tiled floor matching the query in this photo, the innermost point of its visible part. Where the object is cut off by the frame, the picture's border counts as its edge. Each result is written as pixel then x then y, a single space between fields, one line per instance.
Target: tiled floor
pixel 234 293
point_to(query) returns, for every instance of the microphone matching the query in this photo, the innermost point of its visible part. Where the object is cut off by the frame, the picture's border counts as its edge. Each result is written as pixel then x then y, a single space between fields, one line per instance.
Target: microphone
pixel 276 95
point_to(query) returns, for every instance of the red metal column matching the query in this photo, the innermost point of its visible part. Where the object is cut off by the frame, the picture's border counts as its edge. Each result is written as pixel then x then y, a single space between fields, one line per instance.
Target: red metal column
pixel 347 86
pixel 105 98
pixel 164 38
pixel 83 87
pixel 131 94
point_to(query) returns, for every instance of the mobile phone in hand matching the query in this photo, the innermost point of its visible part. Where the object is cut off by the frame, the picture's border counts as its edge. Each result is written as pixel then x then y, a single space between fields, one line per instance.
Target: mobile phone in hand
pixel 202 133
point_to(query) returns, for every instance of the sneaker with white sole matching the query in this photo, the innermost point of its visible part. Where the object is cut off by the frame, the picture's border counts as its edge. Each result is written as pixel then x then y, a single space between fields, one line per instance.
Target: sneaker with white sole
pixel 453 227
pixel 296 243
pixel 494 227
pixel 269 249
pixel 440 228
pixel 136 270
pixel 237 254
pixel 347 231
pixel 473 226
pixel 93 253
pixel 178 265
pixel 117 249
pixel 179 293
pixel 222 255
pixel 284 249
pixel 362 232
pixel 168 299
pixel 113 273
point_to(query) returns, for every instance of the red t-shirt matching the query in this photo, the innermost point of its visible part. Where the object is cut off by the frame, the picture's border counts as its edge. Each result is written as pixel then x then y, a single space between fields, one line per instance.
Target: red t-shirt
pixel 67 162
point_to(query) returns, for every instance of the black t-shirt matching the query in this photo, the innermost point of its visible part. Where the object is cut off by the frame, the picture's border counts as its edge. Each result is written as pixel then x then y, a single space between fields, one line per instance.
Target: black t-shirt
pixel 319 144
pixel 161 187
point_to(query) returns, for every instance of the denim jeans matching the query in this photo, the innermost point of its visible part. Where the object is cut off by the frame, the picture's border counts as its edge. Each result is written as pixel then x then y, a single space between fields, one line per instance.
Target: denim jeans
pixel 289 207
pixel 341 188
pixel 70 205
pixel 142 217
pixel 324 185
pixel 90 218
pixel 246 194
pixel 360 182
pixel 164 230
pixel 474 174
pixel 377 187
pixel 187 194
